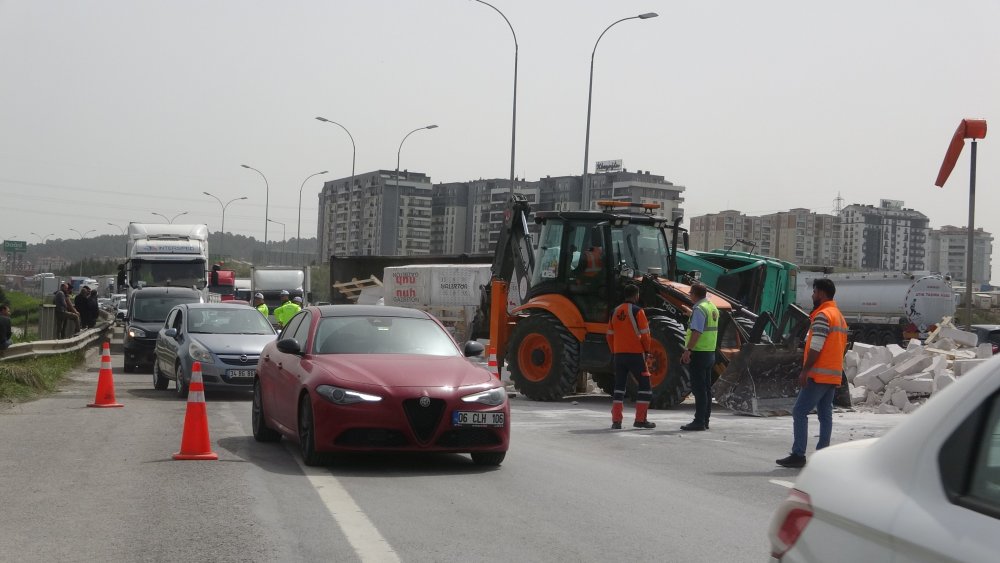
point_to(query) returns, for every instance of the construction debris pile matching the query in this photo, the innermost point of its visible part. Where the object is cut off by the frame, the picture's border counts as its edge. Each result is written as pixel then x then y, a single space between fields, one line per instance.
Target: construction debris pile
pixel 891 379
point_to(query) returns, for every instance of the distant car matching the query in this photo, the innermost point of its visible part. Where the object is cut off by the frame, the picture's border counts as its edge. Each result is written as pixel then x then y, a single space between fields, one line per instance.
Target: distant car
pixel 988 333
pixel 144 315
pixel 365 378
pixel 928 490
pixel 225 338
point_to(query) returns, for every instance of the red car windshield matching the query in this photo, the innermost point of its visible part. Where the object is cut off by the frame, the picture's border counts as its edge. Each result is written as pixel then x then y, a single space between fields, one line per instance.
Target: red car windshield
pixel 382 335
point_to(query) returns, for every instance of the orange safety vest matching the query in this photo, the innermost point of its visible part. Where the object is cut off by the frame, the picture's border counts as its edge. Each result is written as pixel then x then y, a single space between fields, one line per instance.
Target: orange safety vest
pixel 829 366
pixel 628 330
pixel 593 261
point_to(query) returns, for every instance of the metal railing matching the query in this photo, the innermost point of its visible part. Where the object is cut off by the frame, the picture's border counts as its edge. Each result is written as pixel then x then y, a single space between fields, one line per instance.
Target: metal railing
pixel 38 348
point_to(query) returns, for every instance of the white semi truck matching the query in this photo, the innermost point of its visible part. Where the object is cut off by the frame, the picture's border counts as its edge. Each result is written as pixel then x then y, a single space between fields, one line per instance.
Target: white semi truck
pixel 885 307
pixel 161 254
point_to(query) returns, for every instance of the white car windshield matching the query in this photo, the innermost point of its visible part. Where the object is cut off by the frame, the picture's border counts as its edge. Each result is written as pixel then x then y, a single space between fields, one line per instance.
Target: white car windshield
pixel 382 335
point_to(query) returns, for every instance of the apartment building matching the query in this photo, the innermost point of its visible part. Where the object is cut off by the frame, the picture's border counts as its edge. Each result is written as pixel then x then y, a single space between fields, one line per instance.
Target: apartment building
pixel 724 230
pixel 638 187
pixel 802 237
pixel 887 237
pixel 946 253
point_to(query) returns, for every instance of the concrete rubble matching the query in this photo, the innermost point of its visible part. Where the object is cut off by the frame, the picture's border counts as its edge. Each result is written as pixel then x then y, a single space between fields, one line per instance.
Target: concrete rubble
pixel 895 379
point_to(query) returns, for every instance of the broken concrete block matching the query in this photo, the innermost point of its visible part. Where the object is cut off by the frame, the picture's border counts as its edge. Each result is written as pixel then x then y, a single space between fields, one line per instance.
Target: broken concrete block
pixel 850 372
pixel 882 355
pixel 917 386
pixel 963 367
pixel 945 344
pixel 984 351
pixel 910 366
pixel 865 378
pixel 942 381
pixel 938 363
pixel 967 339
pixel 894 349
pixel 851 359
pixel 858 394
pixel 862 349
pixel 914 344
pixel 888 409
pixel 899 399
pixel 910 407
pixel 873 399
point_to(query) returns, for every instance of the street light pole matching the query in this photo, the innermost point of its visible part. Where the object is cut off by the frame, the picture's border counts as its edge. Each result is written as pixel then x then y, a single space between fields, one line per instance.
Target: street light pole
pixel 222 227
pixel 122 229
pixel 267 197
pixel 399 152
pixel 42 239
pixel 350 190
pixel 590 93
pixel 298 237
pixel 283 239
pixel 513 125
pixel 82 236
pixel 170 220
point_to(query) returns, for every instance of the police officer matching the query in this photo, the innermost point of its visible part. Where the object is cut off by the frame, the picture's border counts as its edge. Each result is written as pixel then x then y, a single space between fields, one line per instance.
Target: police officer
pixel 699 352
pixel 258 302
pixel 284 312
pixel 629 341
pixel 822 372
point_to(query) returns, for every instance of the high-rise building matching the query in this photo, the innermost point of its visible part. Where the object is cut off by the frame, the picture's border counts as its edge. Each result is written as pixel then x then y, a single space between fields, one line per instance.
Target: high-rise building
pixel 450 212
pixel 724 230
pixel 488 200
pixel 887 237
pixel 637 187
pixel 802 237
pixel 946 253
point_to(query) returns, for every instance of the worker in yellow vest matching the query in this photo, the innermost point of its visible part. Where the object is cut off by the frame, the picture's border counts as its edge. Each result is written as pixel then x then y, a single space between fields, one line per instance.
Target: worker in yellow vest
pixel 258 302
pixel 284 312
pixel 822 372
pixel 699 354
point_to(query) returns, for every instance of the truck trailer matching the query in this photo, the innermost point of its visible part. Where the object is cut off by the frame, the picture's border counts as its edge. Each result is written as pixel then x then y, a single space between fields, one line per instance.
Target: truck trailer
pixel 161 254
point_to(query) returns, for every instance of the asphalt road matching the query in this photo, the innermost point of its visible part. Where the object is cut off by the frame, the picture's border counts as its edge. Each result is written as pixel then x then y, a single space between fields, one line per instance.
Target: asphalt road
pixel 82 484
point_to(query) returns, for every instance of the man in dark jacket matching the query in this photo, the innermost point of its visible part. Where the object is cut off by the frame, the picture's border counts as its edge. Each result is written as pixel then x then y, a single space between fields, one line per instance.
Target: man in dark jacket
pixel 6 332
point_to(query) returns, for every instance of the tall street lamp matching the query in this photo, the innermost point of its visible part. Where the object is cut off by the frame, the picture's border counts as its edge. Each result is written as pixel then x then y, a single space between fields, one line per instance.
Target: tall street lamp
pixel 82 236
pixel 398 152
pixel 282 232
pixel 513 125
pixel 222 228
pixel 590 93
pixel 42 239
pixel 267 197
pixel 170 220
pixel 298 239
pixel 350 194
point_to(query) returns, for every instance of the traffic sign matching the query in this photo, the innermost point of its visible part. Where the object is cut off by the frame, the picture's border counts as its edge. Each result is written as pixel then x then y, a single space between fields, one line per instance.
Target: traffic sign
pixel 15 246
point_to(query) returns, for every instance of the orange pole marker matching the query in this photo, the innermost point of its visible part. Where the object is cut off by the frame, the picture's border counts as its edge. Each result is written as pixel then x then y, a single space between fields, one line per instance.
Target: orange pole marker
pixel 195 443
pixel 491 360
pixel 105 397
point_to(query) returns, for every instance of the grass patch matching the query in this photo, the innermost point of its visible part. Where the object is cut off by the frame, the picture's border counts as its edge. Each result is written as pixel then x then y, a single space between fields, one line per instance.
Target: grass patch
pixel 22 380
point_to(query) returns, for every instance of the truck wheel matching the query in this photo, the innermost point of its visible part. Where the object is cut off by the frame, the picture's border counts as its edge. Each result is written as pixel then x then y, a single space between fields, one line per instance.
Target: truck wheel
pixel 667 376
pixel 543 357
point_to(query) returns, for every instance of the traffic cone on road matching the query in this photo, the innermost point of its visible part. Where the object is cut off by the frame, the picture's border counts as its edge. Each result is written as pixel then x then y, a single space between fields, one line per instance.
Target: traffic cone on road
pixel 105 397
pixel 491 360
pixel 195 443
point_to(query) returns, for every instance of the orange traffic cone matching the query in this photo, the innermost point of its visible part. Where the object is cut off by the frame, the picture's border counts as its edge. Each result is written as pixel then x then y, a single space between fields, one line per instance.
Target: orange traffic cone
pixel 105 397
pixel 491 360
pixel 195 443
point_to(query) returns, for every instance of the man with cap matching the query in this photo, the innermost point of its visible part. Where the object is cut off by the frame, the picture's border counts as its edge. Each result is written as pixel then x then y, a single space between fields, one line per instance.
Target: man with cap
pixel 284 312
pixel 258 302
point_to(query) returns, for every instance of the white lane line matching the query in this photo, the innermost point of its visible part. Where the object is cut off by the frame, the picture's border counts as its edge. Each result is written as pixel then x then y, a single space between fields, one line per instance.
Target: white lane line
pixel 780 483
pixel 366 540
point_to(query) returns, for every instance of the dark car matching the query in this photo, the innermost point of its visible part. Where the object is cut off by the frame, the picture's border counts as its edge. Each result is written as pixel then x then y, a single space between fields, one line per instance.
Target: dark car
pixel 988 333
pixel 367 378
pixel 225 338
pixel 147 309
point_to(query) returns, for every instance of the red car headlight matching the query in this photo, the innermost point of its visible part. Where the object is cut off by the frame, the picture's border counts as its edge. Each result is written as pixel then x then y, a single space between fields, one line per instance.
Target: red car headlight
pixel 339 396
pixel 492 397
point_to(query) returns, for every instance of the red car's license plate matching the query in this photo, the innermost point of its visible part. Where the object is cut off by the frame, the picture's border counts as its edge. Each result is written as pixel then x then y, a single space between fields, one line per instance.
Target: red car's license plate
pixel 477 418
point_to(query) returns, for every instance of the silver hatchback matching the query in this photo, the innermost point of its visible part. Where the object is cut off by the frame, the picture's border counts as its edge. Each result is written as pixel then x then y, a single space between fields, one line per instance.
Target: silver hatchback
pixel 225 338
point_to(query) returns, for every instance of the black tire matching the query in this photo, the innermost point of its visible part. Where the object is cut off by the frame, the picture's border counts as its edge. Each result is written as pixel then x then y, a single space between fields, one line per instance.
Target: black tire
pixel 261 431
pixel 307 435
pixel 668 376
pixel 159 381
pixel 181 384
pixel 605 382
pixel 543 358
pixel 127 367
pixel 488 458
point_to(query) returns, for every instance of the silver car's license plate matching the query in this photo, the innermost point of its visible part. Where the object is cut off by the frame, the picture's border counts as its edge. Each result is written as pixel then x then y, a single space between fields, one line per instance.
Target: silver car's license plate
pixel 240 373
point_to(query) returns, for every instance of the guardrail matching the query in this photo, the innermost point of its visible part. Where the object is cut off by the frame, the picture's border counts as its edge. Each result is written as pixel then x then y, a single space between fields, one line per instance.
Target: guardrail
pixel 52 347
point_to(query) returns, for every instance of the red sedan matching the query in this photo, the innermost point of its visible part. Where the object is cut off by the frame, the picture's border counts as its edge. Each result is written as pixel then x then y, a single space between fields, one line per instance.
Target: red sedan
pixel 371 378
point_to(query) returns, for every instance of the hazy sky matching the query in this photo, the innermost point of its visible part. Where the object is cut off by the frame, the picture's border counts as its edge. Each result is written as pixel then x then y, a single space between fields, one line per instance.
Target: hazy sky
pixel 115 109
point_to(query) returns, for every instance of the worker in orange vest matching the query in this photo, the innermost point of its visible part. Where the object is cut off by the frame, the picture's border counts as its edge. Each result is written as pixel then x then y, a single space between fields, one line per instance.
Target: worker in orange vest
pixel 822 372
pixel 629 341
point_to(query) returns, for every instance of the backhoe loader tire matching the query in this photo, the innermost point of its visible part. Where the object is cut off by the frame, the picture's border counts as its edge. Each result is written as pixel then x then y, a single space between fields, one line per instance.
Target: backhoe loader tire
pixel 543 358
pixel 668 377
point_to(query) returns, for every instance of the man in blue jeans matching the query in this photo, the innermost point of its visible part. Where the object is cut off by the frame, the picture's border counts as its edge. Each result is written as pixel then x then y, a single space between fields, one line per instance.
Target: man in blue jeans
pixel 699 352
pixel 822 372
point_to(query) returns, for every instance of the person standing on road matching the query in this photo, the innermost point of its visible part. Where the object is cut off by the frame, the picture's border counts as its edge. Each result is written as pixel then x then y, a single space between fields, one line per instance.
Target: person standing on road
pixel 284 312
pixel 699 352
pixel 63 309
pixel 6 330
pixel 822 372
pixel 258 302
pixel 629 342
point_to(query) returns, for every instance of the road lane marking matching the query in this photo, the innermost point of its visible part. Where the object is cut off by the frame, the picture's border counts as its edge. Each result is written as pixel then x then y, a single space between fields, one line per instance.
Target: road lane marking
pixel 781 483
pixel 361 533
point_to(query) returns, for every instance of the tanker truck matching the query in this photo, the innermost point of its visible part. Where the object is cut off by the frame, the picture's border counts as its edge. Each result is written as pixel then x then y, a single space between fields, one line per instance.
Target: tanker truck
pixel 885 307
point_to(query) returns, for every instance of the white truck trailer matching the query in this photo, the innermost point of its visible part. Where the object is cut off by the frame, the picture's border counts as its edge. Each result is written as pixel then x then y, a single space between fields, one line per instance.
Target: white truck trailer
pixel 161 254
pixel 885 307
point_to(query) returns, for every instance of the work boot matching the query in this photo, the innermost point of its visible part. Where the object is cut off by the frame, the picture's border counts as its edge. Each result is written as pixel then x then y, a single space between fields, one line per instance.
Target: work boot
pixel 644 424
pixel 792 461
pixel 616 425
pixel 693 427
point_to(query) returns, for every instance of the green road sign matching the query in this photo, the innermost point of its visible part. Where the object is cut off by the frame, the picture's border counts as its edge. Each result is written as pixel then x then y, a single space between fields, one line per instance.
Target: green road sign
pixel 15 246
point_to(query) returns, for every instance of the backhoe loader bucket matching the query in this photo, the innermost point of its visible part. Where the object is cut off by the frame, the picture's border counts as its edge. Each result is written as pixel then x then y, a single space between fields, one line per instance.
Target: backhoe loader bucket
pixel 761 380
